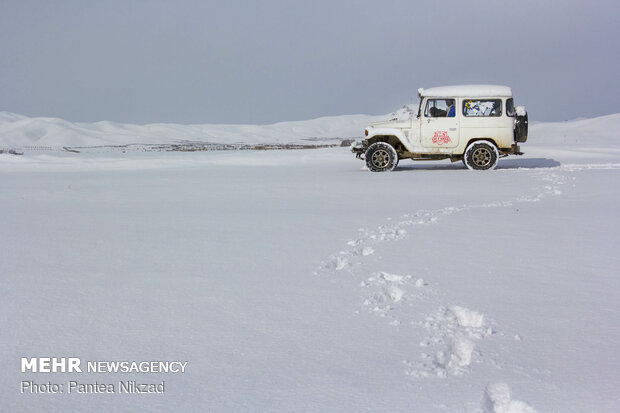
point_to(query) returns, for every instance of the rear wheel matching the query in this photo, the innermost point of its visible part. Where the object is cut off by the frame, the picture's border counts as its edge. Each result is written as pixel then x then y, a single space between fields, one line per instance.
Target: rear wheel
pixel 481 155
pixel 381 157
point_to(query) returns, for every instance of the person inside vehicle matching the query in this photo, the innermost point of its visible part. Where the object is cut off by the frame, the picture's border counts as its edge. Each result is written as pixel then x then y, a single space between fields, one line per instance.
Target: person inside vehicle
pixel 451 111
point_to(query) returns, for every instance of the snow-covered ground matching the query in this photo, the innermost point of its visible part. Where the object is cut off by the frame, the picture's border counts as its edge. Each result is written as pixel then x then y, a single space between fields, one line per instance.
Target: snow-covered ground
pixel 299 281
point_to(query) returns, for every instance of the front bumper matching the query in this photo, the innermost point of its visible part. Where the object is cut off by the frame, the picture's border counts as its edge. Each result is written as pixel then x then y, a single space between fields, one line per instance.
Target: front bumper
pixel 359 148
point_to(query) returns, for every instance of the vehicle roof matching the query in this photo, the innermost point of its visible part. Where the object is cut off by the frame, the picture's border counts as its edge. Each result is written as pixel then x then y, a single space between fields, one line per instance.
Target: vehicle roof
pixel 466 91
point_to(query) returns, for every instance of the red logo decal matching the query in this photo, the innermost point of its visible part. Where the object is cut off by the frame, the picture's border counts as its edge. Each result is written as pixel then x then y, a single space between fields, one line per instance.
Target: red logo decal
pixel 440 137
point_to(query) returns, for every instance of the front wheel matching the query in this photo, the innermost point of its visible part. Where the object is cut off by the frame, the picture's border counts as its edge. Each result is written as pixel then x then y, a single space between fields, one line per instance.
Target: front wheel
pixel 481 156
pixel 381 157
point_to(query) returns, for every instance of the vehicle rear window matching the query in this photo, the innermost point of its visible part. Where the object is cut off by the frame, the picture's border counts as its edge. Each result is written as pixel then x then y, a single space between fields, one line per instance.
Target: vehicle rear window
pixel 482 107
pixel 510 107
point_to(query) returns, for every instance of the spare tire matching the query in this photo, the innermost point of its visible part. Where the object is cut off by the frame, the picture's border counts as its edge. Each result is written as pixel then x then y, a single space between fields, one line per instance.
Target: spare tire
pixel 521 126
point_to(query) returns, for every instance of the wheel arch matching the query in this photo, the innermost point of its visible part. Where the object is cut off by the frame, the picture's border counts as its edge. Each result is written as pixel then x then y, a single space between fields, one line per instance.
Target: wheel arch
pixel 472 140
pixel 390 138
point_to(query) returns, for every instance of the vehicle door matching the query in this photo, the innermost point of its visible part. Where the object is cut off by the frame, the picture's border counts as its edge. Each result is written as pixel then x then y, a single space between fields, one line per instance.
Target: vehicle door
pixel 439 126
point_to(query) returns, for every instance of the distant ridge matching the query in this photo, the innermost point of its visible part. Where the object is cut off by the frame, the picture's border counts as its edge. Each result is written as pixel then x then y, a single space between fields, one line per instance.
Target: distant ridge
pixel 17 131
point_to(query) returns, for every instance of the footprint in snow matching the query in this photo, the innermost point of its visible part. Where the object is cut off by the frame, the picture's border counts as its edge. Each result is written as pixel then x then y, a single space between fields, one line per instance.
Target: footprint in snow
pixel 383 291
pixel 452 335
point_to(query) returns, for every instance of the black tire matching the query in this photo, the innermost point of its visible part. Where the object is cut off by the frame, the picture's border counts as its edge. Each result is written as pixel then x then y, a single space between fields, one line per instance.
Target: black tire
pixel 381 157
pixel 481 156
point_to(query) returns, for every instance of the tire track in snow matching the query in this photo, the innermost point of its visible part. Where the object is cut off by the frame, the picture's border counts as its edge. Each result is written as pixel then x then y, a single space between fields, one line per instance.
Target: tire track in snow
pixel 451 331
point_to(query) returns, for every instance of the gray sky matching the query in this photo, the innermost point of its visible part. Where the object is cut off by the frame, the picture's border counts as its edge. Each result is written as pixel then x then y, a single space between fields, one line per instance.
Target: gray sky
pixel 266 61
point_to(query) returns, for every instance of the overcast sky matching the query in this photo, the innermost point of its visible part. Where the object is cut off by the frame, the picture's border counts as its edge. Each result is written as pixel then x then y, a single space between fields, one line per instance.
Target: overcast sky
pixel 191 61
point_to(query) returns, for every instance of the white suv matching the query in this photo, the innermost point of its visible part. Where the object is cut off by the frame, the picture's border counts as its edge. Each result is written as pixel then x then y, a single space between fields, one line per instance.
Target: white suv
pixel 476 124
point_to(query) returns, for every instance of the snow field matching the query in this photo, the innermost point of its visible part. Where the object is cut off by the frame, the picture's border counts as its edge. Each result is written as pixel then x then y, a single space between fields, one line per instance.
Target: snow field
pixel 452 330
pixel 297 281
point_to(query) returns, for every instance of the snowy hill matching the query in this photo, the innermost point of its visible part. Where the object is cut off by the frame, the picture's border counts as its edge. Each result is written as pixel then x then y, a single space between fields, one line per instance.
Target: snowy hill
pixel 20 131
pixel 17 131
pixel 601 130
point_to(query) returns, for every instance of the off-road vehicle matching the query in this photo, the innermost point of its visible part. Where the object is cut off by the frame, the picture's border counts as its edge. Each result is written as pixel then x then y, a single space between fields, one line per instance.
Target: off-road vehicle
pixel 476 124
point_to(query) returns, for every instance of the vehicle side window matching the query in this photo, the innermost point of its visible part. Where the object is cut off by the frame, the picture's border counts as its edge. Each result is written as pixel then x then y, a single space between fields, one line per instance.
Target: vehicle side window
pixel 510 107
pixel 482 107
pixel 439 108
